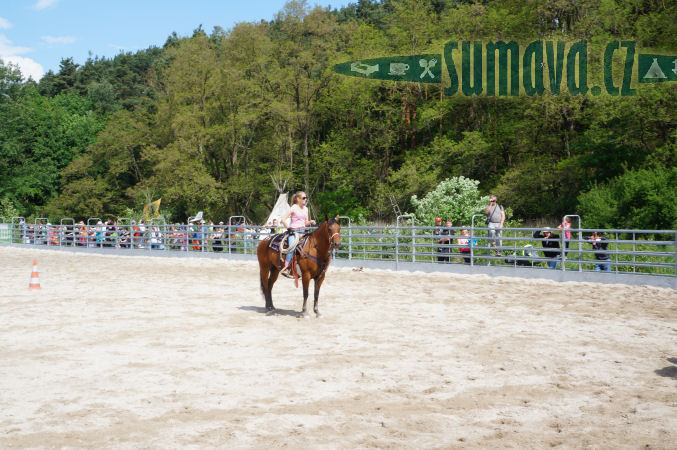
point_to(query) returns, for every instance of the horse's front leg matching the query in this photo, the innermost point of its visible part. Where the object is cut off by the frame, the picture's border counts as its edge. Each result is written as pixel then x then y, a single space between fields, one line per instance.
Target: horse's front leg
pixel 305 278
pixel 318 284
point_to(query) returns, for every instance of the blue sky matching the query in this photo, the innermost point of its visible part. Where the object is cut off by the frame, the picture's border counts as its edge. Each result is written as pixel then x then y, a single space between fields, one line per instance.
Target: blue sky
pixel 37 34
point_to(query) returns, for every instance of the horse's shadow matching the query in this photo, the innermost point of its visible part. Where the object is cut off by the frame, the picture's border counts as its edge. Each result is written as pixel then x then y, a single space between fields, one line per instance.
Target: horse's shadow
pixel 670 371
pixel 278 312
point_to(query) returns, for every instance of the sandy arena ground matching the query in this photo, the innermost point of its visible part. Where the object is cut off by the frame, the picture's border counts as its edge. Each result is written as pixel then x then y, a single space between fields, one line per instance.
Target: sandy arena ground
pixel 130 352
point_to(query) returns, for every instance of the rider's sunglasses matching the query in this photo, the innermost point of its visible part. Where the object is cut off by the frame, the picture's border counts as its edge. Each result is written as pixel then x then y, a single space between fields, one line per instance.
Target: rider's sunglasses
pixel 303 198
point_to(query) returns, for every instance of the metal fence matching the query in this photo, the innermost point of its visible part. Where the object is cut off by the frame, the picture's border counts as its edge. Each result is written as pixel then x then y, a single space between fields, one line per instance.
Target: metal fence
pixel 652 252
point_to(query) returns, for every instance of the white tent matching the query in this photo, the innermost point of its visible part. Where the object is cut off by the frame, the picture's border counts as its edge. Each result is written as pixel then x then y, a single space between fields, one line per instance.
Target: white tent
pixel 280 209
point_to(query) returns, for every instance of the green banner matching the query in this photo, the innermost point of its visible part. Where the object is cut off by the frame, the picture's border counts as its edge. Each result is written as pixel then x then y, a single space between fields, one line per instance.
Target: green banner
pixel 657 68
pixel 418 68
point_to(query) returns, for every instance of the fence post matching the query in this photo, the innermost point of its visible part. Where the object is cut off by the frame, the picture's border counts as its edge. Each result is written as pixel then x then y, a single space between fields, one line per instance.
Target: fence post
pixel 580 245
pixel 413 243
pixel 514 248
pixel 230 222
pixel 22 229
pixel 634 262
pixel 472 236
pixel 676 253
pixel 350 240
pixel 616 253
pixel 41 230
pixel 397 236
pixel 397 246
pixel 63 229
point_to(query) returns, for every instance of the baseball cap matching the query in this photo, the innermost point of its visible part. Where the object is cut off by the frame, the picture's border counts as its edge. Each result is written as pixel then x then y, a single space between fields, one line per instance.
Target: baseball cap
pixel 438 219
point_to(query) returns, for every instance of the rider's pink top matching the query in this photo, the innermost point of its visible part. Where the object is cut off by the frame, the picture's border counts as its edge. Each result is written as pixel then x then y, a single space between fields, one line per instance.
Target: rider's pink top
pixel 299 216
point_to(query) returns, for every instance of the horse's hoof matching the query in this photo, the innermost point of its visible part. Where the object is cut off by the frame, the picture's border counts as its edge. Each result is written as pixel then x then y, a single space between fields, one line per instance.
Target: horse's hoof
pixel 270 312
pixel 318 315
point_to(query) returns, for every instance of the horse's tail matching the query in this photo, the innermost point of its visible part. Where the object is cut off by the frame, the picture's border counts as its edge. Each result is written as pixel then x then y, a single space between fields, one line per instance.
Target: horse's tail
pixel 261 254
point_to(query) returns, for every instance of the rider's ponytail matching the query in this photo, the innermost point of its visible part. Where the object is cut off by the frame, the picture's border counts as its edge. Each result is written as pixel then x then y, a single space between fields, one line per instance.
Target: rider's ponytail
pixel 295 197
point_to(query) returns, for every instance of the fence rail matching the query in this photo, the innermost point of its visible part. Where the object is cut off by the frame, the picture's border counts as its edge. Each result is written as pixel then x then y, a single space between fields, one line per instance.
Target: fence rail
pixel 652 252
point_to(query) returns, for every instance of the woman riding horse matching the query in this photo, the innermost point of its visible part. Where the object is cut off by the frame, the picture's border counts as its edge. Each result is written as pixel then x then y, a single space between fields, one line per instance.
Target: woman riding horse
pixel 313 259
pixel 298 214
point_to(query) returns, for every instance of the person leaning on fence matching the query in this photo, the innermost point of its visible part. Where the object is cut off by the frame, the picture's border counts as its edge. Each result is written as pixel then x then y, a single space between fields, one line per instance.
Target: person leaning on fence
pixel 123 233
pixel 264 232
pixel 217 238
pixel 464 243
pixel 446 235
pixel 110 234
pixel 549 241
pixel 601 244
pixel 495 219
pixel 277 228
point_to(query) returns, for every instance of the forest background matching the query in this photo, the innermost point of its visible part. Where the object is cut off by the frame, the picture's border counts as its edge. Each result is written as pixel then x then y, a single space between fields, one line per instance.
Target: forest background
pixel 224 121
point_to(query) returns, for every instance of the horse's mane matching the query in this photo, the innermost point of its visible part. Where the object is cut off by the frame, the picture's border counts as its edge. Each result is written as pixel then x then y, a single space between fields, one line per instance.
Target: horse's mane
pixel 328 221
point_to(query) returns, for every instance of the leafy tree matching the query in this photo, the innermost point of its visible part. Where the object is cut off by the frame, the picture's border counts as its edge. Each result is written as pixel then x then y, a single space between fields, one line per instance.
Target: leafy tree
pixel 221 122
pixel 60 83
pixel 7 209
pixel 643 199
pixel 342 202
pixel 457 198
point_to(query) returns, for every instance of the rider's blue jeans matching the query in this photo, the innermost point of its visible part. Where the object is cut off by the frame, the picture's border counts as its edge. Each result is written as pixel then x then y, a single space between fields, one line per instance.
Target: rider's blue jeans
pixel 292 237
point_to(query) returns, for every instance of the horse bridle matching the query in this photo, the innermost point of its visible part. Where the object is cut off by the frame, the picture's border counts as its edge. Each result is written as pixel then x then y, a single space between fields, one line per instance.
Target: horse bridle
pixel 331 240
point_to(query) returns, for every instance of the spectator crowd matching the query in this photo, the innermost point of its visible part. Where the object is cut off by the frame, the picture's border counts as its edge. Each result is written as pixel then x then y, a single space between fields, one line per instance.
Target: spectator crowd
pixel 203 236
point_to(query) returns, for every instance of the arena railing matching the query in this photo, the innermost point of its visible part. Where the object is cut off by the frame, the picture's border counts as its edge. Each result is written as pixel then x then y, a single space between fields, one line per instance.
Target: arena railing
pixel 629 251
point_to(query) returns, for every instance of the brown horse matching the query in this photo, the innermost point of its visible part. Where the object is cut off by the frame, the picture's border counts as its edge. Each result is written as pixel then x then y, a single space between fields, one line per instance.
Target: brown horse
pixel 312 256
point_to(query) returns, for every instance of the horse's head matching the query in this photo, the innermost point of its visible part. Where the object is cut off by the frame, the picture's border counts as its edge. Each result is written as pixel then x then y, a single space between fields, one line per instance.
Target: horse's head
pixel 334 230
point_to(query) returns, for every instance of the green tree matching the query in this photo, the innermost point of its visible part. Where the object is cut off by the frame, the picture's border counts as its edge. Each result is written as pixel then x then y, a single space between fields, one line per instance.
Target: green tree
pixel 457 198
pixel 641 199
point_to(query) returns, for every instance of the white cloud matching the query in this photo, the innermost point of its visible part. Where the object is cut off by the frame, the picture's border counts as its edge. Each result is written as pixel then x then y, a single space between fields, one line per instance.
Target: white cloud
pixel 4 24
pixel 9 54
pixel 42 4
pixel 6 47
pixel 59 39
pixel 28 67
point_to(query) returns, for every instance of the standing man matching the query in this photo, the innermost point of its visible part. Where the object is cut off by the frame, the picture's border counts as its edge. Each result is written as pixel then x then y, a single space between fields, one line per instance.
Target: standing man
pixel 495 218
pixel 446 236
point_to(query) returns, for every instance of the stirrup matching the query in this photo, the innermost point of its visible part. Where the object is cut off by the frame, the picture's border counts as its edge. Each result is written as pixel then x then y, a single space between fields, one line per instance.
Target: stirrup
pixel 285 273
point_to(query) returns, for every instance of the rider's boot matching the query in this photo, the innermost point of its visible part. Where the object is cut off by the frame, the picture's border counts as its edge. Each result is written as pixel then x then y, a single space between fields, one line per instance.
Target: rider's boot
pixel 286 270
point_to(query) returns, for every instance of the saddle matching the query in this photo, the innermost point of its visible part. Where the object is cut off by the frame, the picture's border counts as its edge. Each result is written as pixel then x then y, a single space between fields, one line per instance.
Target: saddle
pixel 280 243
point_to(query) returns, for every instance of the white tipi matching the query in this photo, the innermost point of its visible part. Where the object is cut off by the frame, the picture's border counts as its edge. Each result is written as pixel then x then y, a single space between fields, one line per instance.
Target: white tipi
pixel 655 71
pixel 280 209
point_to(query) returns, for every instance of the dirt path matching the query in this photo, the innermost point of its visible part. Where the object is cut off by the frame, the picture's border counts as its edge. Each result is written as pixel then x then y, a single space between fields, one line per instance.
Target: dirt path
pixel 164 352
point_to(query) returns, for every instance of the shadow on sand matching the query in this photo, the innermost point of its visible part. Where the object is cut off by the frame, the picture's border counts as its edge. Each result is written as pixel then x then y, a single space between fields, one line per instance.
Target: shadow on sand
pixel 670 371
pixel 278 312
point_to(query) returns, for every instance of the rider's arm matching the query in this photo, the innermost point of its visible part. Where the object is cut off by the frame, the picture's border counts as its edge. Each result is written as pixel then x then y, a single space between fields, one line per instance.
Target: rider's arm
pixel 284 218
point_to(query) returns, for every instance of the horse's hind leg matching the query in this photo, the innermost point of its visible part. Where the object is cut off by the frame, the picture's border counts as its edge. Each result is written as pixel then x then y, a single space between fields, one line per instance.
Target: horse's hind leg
pixel 265 275
pixel 305 278
pixel 274 272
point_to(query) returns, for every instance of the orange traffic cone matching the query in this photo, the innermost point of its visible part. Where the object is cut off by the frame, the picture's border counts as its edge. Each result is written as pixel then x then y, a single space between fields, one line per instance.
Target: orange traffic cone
pixel 35 279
